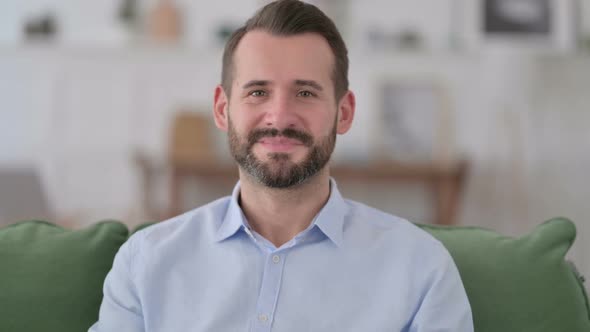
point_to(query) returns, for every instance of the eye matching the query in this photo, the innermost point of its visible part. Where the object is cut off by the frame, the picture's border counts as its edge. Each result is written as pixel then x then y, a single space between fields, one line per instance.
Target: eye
pixel 257 93
pixel 305 93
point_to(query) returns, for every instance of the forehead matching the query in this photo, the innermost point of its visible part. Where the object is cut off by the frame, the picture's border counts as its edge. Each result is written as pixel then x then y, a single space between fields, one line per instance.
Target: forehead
pixel 264 56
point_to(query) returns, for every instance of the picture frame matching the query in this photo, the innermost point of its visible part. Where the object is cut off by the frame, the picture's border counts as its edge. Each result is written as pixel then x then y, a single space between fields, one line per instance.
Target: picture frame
pixel 415 122
pixel 529 25
pixel 518 17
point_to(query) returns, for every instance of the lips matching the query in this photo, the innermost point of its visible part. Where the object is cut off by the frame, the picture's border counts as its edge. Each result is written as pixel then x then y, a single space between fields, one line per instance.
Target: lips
pixel 279 144
pixel 286 136
pixel 280 141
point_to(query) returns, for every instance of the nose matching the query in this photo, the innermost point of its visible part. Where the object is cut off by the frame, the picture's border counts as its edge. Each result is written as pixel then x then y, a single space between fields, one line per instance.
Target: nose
pixel 281 113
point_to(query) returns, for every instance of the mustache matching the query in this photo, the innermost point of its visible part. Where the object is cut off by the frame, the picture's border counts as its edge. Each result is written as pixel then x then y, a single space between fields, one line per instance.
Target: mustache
pixel 256 134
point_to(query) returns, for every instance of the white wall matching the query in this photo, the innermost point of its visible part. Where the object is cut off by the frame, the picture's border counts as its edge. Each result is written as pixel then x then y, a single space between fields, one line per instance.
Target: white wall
pixel 79 108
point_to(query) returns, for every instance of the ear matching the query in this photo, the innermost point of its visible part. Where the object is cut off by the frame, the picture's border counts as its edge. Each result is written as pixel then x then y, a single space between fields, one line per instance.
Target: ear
pixel 220 108
pixel 346 109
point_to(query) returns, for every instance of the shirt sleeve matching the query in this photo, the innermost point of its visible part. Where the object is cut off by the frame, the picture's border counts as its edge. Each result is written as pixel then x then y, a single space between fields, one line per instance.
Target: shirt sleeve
pixel 445 306
pixel 121 308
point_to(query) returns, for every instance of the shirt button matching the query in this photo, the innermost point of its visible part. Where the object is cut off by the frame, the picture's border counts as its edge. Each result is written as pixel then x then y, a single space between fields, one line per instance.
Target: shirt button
pixel 263 318
pixel 276 258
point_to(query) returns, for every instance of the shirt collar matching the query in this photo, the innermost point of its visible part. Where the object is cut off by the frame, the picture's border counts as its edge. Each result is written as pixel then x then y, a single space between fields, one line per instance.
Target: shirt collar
pixel 330 219
pixel 234 218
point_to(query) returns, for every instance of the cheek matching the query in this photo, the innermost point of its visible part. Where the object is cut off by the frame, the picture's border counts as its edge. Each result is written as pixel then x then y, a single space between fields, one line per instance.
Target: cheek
pixel 245 117
pixel 322 125
pixel 238 121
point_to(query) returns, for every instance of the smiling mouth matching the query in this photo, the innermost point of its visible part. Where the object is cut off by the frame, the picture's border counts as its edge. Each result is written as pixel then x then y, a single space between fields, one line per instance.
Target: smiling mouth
pixel 279 143
pixel 280 140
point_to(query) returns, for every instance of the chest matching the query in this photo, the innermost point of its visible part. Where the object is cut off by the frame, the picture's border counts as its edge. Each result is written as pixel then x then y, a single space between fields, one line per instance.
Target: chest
pixel 281 291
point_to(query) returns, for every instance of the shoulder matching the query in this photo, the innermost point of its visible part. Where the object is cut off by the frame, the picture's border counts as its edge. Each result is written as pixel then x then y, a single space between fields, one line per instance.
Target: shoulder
pixel 390 232
pixel 197 223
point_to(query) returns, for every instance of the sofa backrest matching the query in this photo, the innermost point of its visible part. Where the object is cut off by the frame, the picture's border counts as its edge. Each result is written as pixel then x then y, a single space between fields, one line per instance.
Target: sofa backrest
pixel 51 278
pixel 519 284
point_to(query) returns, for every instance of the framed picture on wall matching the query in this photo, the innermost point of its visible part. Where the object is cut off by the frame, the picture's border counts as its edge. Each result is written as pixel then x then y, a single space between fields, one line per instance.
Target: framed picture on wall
pixel 518 17
pixel 415 122
pixel 541 25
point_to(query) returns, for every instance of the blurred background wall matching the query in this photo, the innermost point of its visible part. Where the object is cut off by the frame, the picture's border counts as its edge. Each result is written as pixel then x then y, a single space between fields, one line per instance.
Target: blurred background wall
pixel 87 85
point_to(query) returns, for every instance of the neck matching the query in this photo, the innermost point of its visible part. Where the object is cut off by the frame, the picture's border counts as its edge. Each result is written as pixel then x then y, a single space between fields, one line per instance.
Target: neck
pixel 280 214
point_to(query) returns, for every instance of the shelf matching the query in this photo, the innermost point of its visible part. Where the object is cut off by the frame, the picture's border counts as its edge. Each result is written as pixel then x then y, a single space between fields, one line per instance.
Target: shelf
pixel 445 182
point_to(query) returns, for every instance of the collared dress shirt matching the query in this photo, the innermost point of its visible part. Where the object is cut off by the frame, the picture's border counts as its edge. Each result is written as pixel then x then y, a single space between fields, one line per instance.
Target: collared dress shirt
pixel 354 268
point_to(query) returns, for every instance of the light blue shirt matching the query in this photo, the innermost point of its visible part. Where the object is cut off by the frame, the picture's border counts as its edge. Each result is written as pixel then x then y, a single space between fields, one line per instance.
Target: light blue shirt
pixel 353 269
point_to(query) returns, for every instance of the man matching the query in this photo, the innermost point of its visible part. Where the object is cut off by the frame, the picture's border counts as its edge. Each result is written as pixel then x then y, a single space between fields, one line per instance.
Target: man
pixel 285 252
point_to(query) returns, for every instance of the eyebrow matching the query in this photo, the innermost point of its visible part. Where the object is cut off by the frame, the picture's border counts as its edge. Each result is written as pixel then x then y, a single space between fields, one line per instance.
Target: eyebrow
pixel 261 83
pixel 252 83
pixel 310 83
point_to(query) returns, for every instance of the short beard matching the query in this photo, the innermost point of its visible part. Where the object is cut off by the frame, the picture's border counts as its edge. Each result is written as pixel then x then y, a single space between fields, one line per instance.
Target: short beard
pixel 280 172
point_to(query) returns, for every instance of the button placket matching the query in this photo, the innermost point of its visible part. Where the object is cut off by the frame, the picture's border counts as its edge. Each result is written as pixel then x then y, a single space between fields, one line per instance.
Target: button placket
pixel 269 292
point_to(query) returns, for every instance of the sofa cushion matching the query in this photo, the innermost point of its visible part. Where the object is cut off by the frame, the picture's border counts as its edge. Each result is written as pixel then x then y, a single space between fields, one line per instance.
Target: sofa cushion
pixel 51 278
pixel 519 284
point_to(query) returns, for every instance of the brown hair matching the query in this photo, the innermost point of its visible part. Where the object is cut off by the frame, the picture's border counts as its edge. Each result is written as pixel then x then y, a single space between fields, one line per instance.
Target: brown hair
pixel 287 18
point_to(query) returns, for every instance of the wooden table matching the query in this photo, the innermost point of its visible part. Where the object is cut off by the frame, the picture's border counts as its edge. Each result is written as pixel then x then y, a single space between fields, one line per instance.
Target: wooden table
pixel 446 182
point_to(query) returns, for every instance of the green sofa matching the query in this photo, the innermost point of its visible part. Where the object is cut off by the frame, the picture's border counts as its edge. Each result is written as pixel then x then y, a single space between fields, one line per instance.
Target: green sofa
pixel 51 278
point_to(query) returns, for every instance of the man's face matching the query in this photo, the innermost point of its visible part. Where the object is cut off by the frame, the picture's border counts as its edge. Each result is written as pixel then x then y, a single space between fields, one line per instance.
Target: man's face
pixel 282 113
